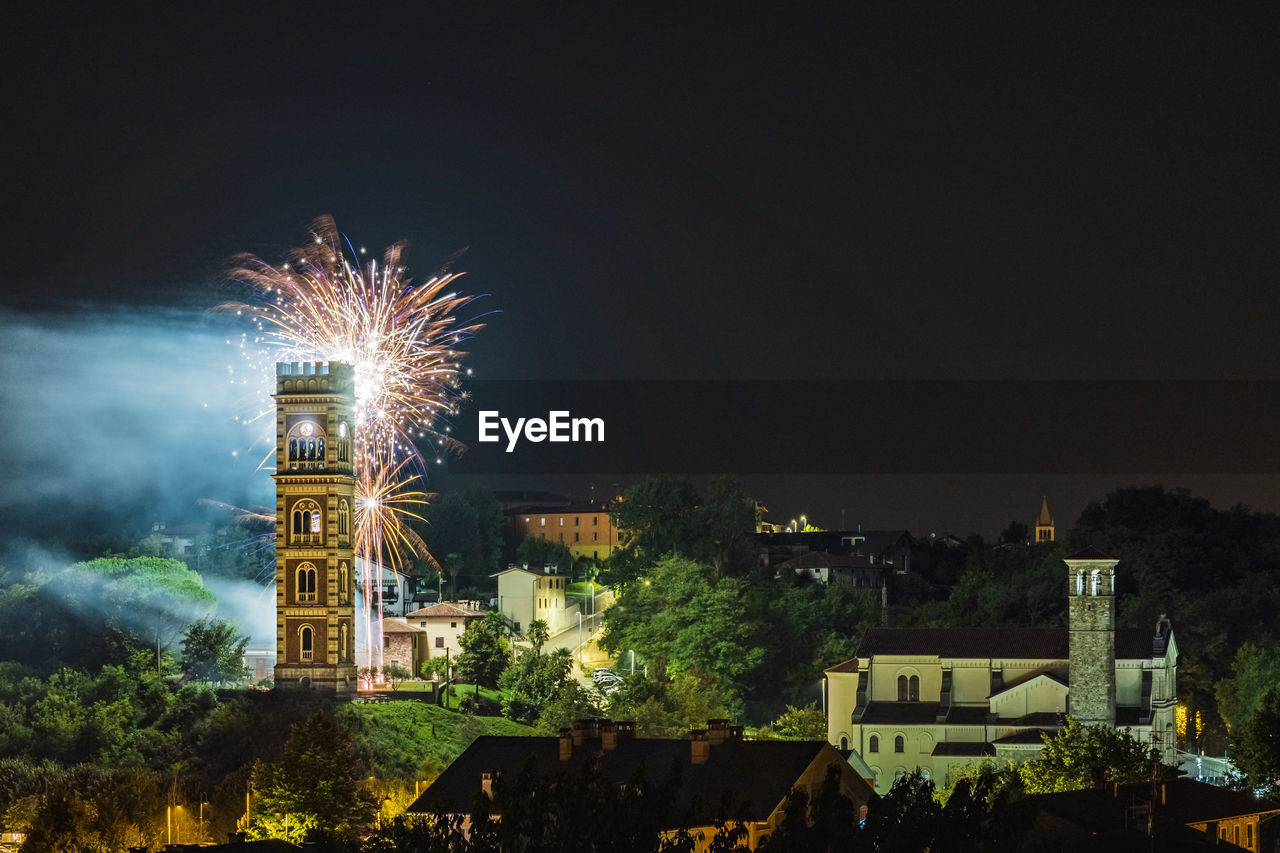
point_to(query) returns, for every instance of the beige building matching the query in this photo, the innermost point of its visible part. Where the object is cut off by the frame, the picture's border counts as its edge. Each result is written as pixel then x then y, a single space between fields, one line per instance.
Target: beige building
pixel 525 594
pixel 404 643
pixel 442 625
pixel 935 698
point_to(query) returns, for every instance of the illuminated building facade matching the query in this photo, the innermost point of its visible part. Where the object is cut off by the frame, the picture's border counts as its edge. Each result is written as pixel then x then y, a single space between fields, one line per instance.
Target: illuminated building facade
pixel 584 528
pixel 315 524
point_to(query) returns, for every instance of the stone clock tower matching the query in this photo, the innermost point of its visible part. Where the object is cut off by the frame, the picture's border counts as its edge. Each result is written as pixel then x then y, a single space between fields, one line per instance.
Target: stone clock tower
pixel 315 522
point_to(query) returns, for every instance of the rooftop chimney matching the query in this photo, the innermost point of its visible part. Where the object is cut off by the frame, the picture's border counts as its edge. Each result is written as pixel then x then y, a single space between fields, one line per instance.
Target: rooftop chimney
pixel 699 746
pixel 717 731
pixel 566 744
pixel 612 732
pixel 486 782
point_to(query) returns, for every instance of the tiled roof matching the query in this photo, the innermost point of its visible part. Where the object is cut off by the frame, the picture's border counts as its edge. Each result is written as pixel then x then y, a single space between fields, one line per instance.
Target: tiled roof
pixel 901 713
pixel 1193 802
pixel 1031 737
pixel 963 749
pixel 1005 643
pixel 1090 553
pixel 444 608
pixel 755 774
pixel 539 571
pixel 397 625
pixel 851 665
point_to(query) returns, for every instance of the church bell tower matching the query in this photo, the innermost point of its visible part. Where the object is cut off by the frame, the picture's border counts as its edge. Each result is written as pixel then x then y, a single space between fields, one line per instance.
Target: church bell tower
pixel 1091 611
pixel 315 494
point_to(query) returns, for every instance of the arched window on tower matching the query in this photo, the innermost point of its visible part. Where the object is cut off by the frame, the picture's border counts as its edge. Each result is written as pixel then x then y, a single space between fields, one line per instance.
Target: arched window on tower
pixel 913 689
pixel 306 639
pixel 306 526
pixel 342 642
pixel 308 438
pixel 344 519
pixel 1095 582
pixel 1080 582
pixel 306 582
pixel 344 582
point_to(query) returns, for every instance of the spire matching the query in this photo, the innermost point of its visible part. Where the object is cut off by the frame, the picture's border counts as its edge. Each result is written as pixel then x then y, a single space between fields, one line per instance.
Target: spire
pixel 1044 519
pixel 1044 531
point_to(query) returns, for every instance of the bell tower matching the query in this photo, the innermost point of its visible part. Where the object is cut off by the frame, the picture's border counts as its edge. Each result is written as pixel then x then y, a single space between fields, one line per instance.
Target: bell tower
pixel 1091 609
pixel 315 494
pixel 1044 522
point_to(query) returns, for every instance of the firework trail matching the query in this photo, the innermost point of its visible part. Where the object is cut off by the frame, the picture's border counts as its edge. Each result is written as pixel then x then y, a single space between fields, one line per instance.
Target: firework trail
pixel 404 341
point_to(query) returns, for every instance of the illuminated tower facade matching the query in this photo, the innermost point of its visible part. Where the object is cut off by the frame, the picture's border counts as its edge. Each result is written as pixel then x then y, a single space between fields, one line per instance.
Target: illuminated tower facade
pixel 1044 522
pixel 315 523
pixel 1091 626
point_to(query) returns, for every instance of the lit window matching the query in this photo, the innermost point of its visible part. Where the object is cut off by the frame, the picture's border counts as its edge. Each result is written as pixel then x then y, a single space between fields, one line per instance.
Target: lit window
pixel 542 522
pixel 315 521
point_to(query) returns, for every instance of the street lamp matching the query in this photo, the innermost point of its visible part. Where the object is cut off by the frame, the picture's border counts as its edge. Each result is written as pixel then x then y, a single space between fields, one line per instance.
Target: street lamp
pixel 632 652
pixel 804 522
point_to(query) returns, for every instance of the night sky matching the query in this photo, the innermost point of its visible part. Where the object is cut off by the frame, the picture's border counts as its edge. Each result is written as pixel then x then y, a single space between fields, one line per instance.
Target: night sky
pixel 697 191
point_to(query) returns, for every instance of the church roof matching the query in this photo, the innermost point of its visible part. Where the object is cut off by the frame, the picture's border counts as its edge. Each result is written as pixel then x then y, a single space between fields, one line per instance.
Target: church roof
pixel 1090 553
pixel 1044 519
pixel 1006 643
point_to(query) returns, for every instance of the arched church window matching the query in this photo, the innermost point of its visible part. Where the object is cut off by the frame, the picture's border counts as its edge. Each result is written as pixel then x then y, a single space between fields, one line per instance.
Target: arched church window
pixel 344 581
pixel 902 688
pixel 873 745
pixel 306 527
pixel 913 689
pixel 1080 583
pixel 306 582
pixel 308 437
pixel 306 638
pixel 899 744
pixel 342 642
pixel 844 742
pixel 344 519
pixel 1095 582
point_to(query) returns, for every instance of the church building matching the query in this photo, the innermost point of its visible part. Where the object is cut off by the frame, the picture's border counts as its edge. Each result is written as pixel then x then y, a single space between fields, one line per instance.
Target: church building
pixel 315 501
pixel 936 698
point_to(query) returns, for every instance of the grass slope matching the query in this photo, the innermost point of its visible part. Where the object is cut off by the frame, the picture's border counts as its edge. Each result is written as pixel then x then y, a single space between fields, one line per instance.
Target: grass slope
pixel 409 741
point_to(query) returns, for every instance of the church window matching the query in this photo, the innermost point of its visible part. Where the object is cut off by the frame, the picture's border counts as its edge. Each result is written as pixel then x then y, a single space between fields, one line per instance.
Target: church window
pixel 344 582
pixel 873 745
pixel 320 449
pixel 899 744
pixel 1095 582
pixel 306 446
pixel 306 579
pixel 342 642
pixel 306 638
pixel 293 450
pixel 925 774
pixel 344 519
pixel 902 688
pixel 306 528
pixel 913 689
pixel 844 742
pixel 1080 583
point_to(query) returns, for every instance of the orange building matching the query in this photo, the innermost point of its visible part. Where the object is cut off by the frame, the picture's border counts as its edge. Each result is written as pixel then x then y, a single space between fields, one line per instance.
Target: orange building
pixel 584 528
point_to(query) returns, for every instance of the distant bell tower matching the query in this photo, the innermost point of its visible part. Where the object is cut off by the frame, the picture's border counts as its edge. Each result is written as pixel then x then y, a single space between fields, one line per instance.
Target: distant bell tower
pixel 1091 608
pixel 1044 522
pixel 315 495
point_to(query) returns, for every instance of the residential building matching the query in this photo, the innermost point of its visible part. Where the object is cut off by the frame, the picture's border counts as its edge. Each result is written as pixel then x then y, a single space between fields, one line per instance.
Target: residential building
pixel 714 769
pixel 891 548
pixel 1175 814
pixel 315 487
pixel 857 571
pixel 586 529
pixel 935 698
pixel 404 643
pixel 443 624
pixel 526 594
